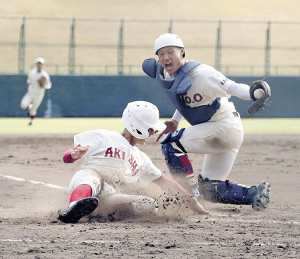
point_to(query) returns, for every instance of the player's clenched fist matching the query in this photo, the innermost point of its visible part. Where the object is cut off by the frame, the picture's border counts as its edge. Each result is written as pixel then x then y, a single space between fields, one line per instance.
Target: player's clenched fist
pixel 79 151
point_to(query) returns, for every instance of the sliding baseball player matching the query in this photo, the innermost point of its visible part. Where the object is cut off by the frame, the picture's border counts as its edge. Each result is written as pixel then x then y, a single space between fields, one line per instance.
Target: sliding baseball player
pixel 112 160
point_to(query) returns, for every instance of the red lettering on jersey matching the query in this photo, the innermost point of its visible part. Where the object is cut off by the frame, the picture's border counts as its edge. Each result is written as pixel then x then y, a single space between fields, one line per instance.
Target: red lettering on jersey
pixel 130 160
pixel 117 153
pixel 134 173
pixel 109 152
pixel 133 164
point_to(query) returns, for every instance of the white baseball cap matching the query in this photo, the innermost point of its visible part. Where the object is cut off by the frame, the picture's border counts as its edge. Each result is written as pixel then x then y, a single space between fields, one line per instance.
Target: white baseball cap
pixel 167 39
pixel 40 60
pixel 140 116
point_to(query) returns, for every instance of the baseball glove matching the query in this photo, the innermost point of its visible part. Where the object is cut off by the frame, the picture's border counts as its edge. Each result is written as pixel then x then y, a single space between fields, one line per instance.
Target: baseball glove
pixel 260 92
pixel 42 81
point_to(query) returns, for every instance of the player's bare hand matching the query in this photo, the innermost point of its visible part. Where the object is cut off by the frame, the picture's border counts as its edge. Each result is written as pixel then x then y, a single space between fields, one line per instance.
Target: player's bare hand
pixel 79 151
pixel 172 126
pixel 197 207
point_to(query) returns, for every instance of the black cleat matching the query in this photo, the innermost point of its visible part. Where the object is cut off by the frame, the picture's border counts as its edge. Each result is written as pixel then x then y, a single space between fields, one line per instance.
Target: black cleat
pixel 81 208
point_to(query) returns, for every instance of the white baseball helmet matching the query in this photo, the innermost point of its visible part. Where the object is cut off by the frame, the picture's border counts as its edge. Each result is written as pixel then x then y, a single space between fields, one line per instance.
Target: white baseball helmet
pixel 140 116
pixel 167 39
pixel 40 60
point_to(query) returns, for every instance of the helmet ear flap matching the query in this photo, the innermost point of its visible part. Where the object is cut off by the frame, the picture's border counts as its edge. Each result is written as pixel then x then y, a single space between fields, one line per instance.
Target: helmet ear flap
pixel 138 132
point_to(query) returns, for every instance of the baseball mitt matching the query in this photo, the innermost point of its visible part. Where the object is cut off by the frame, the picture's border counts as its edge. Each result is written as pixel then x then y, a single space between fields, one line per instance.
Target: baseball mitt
pixel 42 81
pixel 260 92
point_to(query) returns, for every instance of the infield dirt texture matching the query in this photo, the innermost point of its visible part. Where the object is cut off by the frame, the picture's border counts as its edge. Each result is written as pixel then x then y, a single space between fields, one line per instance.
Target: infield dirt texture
pixel 30 229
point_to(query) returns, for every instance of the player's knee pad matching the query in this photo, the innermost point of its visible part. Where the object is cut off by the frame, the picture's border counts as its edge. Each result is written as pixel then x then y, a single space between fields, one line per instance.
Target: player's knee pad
pixel 226 192
pixel 173 158
pixel 176 159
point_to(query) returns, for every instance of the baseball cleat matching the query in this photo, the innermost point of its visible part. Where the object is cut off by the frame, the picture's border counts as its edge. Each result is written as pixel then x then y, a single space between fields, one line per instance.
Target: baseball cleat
pixel 261 199
pixel 81 208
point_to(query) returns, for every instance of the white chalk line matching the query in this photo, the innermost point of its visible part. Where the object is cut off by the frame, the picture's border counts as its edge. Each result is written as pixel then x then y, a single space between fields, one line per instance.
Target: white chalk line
pixel 252 221
pixel 33 182
pixel 288 222
pixel 227 244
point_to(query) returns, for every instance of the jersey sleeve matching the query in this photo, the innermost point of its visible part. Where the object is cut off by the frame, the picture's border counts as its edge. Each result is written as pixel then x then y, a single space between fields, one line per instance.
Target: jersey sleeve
pixel 149 172
pixel 239 90
pixel 91 138
pixel 29 78
pixel 216 83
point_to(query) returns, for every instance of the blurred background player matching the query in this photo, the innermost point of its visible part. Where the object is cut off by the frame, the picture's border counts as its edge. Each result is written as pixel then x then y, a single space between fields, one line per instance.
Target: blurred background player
pixel 200 94
pixel 38 80
pixel 112 160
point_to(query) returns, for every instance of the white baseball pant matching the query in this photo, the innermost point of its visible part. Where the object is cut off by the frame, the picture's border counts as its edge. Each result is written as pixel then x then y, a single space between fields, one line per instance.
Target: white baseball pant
pixel 35 100
pixel 219 141
pixel 108 196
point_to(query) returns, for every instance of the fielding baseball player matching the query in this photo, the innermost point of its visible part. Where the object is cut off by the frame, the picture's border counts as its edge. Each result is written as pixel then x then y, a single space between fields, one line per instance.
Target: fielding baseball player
pixel 200 94
pixel 111 160
pixel 38 80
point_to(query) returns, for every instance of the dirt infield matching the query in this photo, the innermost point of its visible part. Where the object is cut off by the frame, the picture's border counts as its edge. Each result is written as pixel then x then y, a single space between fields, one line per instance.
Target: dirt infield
pixel 33 178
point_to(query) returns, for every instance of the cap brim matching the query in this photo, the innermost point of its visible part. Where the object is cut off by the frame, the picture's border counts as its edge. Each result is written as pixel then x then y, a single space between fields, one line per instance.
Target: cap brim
pixel 160 126
pixel 40 60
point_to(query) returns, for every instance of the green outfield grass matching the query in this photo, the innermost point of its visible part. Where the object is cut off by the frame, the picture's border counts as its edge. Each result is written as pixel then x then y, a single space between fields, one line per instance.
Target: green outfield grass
pixel 76 125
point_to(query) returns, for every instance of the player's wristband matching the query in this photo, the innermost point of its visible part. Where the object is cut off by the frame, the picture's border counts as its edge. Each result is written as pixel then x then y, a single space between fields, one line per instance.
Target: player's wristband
pixel 68 158
pixel 177 116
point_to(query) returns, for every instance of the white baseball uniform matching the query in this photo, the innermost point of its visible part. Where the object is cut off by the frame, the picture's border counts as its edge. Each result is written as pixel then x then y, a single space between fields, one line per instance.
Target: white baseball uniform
pixel 110 163
pixel 35 93
pixel 221 137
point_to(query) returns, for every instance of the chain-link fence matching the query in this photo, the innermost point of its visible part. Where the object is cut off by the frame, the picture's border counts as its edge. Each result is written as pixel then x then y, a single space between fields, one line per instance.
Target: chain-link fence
pixel 119 46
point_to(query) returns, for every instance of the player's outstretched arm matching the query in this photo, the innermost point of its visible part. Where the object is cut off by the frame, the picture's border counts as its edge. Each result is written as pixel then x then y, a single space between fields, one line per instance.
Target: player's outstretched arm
pixel 174 187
